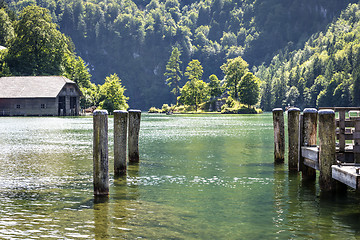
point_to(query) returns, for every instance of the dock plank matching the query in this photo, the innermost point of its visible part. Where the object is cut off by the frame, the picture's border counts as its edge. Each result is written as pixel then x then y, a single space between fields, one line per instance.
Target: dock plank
pixel 346 175
pixel 312 163
pixel 311 157
pixel 311 153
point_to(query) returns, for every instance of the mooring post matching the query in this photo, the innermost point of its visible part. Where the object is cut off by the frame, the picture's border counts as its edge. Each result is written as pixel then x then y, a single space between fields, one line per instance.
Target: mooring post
pixel 342 139
pixel 310 117
pixel 293 134
pixel 301 142
pixel 100 153
pixel 279 135
pixel 133 141
pixel 120 141
pixel 327 150
pixel 356 136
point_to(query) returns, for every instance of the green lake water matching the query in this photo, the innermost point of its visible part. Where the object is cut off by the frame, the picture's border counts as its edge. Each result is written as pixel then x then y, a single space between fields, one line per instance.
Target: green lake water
pixel 200 177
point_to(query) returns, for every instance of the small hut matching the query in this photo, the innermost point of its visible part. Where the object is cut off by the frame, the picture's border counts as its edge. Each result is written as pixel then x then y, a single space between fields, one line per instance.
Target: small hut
pixel 39 96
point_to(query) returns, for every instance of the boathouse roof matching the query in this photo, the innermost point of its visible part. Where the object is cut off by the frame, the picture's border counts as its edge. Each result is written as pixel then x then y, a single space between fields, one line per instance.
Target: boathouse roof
pixel 32 86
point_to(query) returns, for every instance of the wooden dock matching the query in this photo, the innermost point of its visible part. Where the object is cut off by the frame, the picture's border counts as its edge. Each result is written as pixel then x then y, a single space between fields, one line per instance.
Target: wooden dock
pixel 337 156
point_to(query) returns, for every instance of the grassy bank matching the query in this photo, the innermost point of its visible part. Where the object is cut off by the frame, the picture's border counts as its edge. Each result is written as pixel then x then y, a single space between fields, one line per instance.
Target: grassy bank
pixel 224 106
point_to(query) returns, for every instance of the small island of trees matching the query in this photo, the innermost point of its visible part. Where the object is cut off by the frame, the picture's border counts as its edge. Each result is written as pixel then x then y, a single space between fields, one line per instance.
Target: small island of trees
pixel 238 92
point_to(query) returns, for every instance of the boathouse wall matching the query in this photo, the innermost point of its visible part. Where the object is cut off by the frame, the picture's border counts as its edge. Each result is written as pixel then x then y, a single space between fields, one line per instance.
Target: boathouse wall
pixel 47 96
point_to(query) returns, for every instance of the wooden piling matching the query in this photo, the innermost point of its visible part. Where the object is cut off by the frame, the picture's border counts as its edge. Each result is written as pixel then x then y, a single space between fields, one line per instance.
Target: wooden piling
pixel 100 153
pixel 310 116
pixel 293 136
pixel 301 142
pixel 279 135
pixel 356 136
pixel 327 150
pixel 342 143
pixel 133 141
pixel 120 142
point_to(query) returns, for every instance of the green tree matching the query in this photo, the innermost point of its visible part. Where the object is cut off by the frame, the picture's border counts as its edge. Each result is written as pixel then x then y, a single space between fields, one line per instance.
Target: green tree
pixel 265 102
pixel 234 69
pixel 39 48
pixel 319 85
pixel 215 86
pixel 356 87
pixel 76 70
pixel 173 72
pixel 326 96
pixel 249 89
pixel 195 91
pixel 90 96
pixel 342 93
pixel 112 94
pixel 6 28
pixel 194 70
pixel 278 92
pixel 292 96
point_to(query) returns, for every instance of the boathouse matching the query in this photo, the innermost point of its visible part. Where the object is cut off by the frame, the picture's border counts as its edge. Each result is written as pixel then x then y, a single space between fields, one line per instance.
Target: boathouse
pixel 39 96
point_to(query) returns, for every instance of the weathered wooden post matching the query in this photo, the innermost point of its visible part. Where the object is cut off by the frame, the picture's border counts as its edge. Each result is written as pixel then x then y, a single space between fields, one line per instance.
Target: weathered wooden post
pixel 310 116
pixel 120 141
pixel 293 134
pixel 100 153
pixel 356 136
pixel 342 143
pixel 133 141
pixel 327 150
pixel 279 135
pixel 301 141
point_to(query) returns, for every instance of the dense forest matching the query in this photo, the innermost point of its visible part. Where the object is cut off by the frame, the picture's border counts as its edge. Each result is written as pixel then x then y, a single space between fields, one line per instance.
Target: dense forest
pixel 277 38
pixel 135 38
pixel 325 72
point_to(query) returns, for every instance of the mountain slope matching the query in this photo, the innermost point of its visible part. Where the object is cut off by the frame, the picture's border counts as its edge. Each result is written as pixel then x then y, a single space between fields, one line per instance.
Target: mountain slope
pixel 325 72
pixel 135 38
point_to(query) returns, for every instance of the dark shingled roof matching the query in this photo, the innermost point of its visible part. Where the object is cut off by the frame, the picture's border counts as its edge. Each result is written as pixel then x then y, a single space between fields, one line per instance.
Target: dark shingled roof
pixel 32 87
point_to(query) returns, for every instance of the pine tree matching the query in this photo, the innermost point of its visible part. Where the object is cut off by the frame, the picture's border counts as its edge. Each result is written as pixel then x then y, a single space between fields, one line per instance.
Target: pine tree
pixel 356 87
pixel 173 72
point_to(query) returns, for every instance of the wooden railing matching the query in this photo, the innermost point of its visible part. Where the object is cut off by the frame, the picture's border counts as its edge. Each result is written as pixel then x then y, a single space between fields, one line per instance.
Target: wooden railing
pixel 325 143
pixel 348 129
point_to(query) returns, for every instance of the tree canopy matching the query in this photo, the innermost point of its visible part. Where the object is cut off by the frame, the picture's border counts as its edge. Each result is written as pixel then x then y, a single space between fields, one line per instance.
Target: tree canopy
pixel 195 91
pixel 249 89
pixel 112 94
pixel 234 69
pixel 324 73
pixel 135 38
pixel 39 48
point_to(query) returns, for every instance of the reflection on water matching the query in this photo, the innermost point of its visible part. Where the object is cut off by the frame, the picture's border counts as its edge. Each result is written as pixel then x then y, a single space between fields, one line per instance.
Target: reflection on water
pixel 200 177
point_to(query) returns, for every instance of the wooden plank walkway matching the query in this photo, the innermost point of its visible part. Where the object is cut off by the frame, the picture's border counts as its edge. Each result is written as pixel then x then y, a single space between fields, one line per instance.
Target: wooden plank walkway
pixel 336 155
pixel 347 174
pixel 347 170
pixel 311 157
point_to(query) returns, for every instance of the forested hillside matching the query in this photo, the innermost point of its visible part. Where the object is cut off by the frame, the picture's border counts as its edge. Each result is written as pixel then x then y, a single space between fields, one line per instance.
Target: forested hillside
pixel 135 38
pixel 325 72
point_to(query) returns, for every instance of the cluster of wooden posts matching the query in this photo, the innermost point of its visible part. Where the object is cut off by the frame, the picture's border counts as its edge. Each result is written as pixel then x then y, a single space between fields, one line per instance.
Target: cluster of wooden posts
pixel 126 136
pixel 338 162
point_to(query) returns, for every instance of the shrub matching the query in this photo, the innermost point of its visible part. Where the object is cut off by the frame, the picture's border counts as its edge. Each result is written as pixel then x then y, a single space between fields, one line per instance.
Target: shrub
pixel 154 110
pixel 165 108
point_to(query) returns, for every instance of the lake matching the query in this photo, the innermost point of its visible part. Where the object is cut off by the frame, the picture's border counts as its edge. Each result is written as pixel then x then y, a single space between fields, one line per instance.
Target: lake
pixel 199 177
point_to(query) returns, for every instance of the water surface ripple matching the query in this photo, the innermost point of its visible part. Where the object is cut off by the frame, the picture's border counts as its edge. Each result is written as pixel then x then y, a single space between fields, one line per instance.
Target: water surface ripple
pixel 200 177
